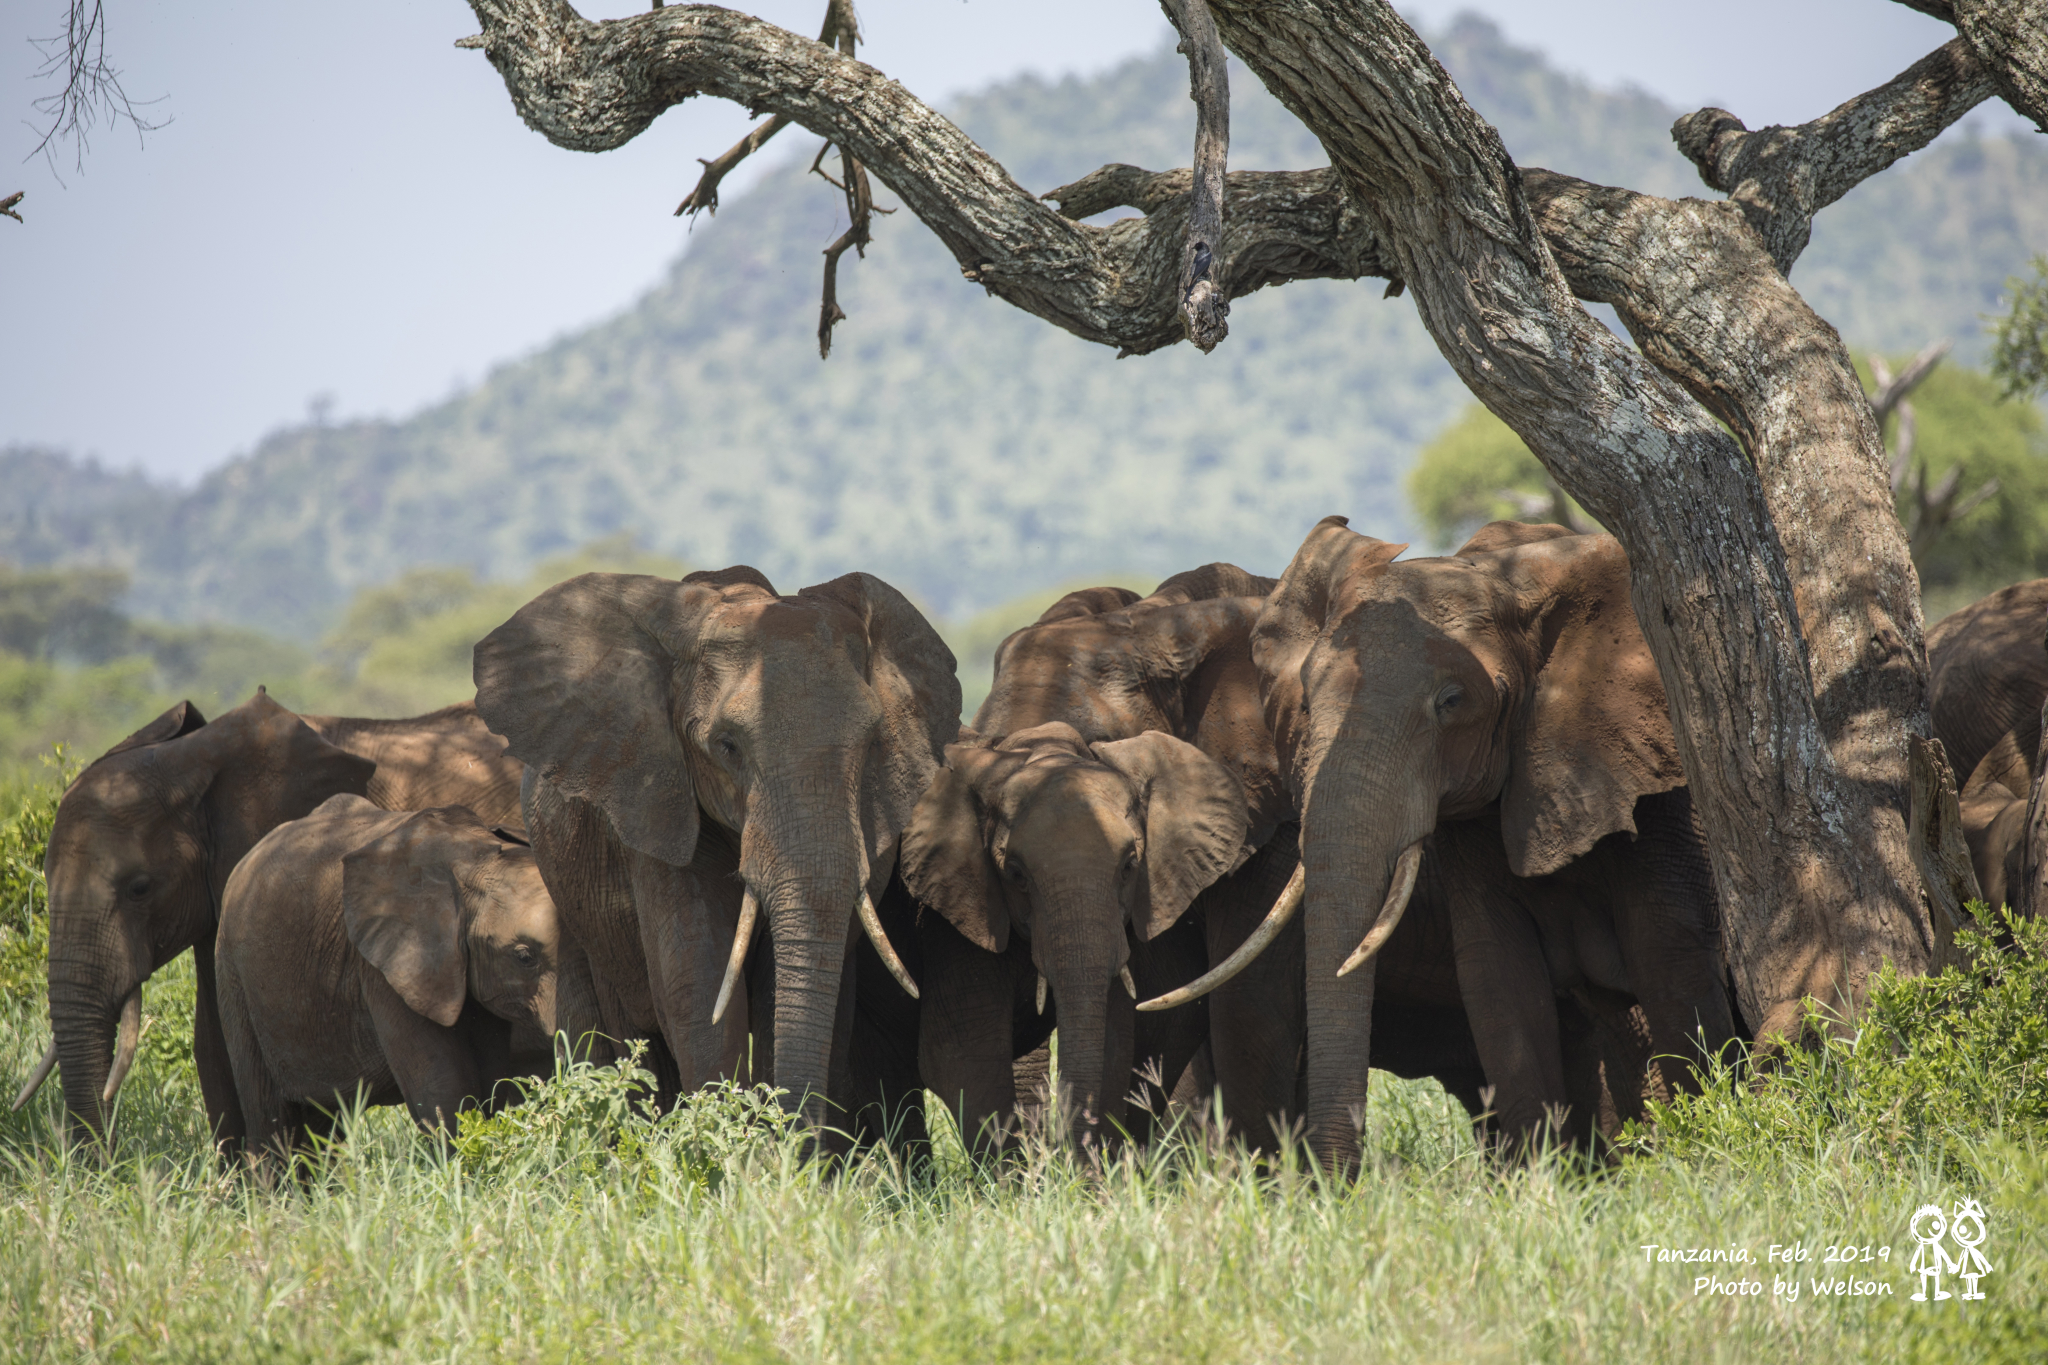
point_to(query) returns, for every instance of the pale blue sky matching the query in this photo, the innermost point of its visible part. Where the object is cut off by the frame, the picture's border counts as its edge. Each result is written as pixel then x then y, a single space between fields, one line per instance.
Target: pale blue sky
pixel 344 203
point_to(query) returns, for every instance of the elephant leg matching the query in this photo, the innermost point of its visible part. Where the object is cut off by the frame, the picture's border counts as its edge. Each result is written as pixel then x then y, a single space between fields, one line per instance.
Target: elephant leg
pixel 1257 1020
pixel 1031 1078
pixel 688 917
pixel 1667 921
pixel 1505 980
pixel 1164 1042
pixel 888 1088
pixel 436 1068
pixel 216 1069
pixel 965 1039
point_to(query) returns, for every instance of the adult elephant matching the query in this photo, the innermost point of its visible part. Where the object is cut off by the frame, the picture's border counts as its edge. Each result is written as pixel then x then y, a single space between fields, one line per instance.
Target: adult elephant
pixel 144 840
pixel 706 757
pixel 1099 837
pixel 1503 702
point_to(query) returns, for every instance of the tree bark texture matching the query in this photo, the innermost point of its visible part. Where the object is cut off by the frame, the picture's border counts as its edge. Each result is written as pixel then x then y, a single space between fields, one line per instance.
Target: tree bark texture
pixel 1205 309
pixel 1770 572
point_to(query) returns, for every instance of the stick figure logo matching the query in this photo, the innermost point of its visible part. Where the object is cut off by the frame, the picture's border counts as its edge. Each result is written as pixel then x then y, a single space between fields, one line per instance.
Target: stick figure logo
pixel 1929 1226
pixel 1969 1230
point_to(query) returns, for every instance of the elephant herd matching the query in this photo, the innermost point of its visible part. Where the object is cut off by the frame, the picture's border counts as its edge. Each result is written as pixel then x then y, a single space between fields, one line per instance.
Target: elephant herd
pixel 1239 840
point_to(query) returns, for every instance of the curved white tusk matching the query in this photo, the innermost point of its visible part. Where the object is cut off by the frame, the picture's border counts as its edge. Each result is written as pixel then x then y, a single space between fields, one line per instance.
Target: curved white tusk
pixel 124 1050
pixel 42 1073
pixel 742 939
pixel 1041 995
pixel 1268 930
pixel 872 922
pixel 1390 913
pixel 1130 986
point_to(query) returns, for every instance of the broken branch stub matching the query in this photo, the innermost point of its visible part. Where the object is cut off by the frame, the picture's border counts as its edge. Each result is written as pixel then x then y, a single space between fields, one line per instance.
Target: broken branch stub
pixel 1204 301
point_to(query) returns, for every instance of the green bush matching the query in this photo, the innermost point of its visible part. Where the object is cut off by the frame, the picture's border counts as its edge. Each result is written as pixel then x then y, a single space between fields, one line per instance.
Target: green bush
pixel 589 1122
pixel 1939 1065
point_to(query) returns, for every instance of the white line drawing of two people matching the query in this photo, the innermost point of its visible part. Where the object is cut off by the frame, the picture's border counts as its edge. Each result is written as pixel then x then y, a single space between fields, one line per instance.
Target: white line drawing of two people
pixel 1932 1258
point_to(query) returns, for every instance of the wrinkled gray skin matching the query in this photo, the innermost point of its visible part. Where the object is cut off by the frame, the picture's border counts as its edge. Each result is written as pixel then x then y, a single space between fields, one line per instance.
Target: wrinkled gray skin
pixel 403 957
pixel 144 840
pixel 1502 701
pixel 1068 837
pixel 691 740
pixel 1987 668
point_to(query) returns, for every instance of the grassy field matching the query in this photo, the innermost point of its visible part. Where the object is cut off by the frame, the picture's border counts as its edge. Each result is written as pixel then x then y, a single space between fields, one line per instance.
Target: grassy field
pixel 577 1228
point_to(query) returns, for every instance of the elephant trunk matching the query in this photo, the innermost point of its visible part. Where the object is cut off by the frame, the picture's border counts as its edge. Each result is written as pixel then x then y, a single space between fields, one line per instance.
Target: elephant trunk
pixel 95 994
pixel 1082 942
pixel 1360 831
pixel 810 965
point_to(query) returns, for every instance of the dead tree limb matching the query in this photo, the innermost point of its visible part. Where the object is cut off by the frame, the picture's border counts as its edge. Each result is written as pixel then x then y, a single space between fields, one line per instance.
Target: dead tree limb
pixel 1204 306
pixel 705 196
pixel 7 205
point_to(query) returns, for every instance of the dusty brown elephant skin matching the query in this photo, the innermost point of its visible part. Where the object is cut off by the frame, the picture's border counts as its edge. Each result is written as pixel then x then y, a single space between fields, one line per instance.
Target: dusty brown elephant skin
pixel 707 750
pixel 1501 700
pixel 1987 671
pixel 1067 838
pixel 1988 665
pixel 145 838
pixel 391 957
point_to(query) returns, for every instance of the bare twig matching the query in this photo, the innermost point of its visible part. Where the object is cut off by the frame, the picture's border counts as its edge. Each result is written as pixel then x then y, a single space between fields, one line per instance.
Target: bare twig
pixel 1893 390
pixel 842 30
pixel 705 196
pixel 7 205
pixel 1204 302
pixel 92 86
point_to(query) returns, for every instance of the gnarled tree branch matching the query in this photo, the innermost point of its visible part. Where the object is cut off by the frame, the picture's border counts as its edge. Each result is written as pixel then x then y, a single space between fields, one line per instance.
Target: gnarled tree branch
pixel 1205 307
pixel 1781 177
pixel 2011 39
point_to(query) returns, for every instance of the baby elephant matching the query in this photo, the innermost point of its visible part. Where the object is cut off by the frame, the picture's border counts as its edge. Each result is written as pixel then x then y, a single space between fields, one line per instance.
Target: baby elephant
pixel 406 957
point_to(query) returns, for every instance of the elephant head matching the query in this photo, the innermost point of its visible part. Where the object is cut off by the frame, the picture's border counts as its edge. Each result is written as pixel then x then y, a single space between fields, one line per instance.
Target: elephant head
pixel 1074 847
pixel 140 851
pixel 1405 694
pixel 448 911
pixel 807 726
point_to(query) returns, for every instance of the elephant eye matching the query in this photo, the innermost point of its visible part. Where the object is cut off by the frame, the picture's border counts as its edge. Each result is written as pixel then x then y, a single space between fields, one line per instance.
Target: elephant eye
pixel 1130 863
pixel 1449 699
pixel 726 748
pixel 138 887
pixel 523 953
pixel 1014 870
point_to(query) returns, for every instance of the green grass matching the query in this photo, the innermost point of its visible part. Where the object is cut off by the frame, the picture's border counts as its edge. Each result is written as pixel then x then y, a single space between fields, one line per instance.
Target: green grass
pixel 578 1227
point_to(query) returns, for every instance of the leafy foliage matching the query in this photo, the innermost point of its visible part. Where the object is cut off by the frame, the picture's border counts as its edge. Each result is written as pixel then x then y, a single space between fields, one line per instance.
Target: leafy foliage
pixel 587 1120
pixel 2019 345
pixel 31 809
pixel 1937 1065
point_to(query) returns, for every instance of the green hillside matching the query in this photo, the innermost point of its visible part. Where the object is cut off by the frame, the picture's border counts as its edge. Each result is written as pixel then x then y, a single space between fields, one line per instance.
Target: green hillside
pixel 956 447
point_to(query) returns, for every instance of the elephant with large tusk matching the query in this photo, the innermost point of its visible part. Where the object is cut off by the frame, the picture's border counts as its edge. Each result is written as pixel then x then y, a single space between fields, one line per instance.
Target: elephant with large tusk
pixel 718 780
pixel 1501 705
pixel 146 836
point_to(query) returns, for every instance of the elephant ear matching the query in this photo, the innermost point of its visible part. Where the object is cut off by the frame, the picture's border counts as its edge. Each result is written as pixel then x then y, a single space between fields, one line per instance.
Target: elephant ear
pixel 1595 733
pixel 945 859
pixel 912 674
pixel 402 907
pixel 1195 822
pixel 176 723
pixel 255 767
pixel 1294 616
pixel 586 683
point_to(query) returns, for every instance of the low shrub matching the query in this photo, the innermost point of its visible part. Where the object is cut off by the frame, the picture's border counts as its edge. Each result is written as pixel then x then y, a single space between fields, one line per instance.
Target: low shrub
pixel 1938 1064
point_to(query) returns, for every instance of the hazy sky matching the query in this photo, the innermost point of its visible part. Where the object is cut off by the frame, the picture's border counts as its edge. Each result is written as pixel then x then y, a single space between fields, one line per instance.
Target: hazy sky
pixel 344 204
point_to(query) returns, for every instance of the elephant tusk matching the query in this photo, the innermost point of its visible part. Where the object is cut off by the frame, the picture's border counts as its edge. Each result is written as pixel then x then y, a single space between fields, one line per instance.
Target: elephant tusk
pixel 124 1050
pixel 1041 997
pixel 872 922
pixel 1390 914
pixel 42 1073
pixel 742 939
pixel 1130 986
pixel 1268 930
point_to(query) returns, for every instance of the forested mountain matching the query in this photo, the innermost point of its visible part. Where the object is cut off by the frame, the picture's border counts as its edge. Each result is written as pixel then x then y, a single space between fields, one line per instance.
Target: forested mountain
pixel 951 444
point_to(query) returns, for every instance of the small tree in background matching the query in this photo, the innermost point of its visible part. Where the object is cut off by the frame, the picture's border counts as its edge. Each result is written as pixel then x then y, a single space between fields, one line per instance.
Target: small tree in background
pixel 2019 344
